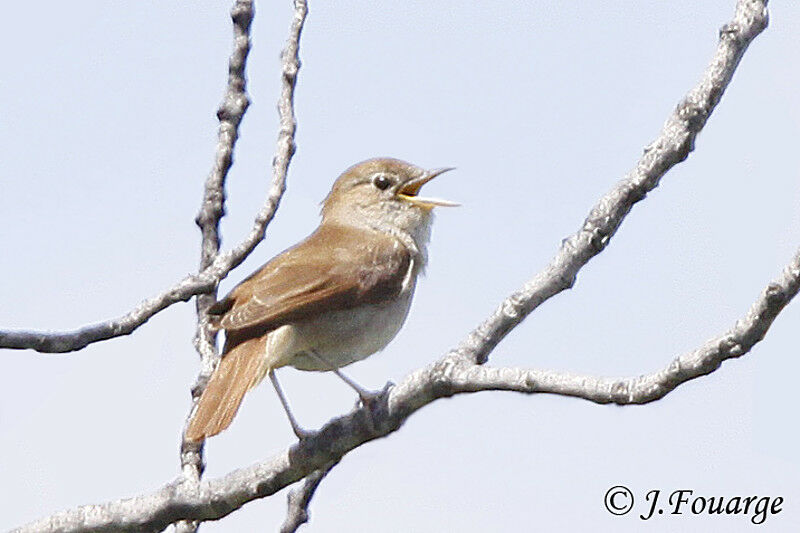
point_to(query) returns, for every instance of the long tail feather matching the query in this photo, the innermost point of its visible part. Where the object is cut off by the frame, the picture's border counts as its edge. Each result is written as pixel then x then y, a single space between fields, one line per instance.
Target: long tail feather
pixel 240 369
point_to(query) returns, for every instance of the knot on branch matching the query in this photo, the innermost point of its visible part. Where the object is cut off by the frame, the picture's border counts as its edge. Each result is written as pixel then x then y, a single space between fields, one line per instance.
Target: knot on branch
pixel 731 31
pixel 730 346
pixel 200 384
pixel 599 239
pixel 291 66
pixel 621 392
pixel 441 377
pixel 775 296
pixel 693 115
pixel 234 106
pixel 242 14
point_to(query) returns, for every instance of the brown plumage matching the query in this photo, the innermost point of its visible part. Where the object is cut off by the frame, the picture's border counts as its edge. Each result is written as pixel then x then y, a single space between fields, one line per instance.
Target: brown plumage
pixel 336 267
pixel 337 297
pixel 235 375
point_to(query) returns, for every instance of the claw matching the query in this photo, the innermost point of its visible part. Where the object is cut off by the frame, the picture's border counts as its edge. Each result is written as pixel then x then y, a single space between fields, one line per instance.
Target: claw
pixel 368 397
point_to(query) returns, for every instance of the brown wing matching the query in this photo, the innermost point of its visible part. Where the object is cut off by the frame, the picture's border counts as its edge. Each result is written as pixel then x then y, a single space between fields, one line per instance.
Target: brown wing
pixel 322 273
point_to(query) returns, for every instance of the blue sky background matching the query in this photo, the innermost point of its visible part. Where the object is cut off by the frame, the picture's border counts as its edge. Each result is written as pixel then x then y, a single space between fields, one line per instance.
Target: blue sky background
pixel 107 134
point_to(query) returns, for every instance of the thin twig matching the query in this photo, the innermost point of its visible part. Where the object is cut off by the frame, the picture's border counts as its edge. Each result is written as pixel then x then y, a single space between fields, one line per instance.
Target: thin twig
pixel 671 147
pixel 216 498
pixel 735 342
pixel 460 371
pixel 230 114
pixel 69 341
pixel 290 60
pixel 299 499
pixel 207 280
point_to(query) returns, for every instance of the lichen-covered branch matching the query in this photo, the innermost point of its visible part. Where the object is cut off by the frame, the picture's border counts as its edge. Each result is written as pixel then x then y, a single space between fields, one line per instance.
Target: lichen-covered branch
pixel 672 146
pixel 463 370
pixel 300 498
pixel 216 498
pixel 208 278
pixel 230 113
pixel 290 60
pixel 69 341
pixel 735 342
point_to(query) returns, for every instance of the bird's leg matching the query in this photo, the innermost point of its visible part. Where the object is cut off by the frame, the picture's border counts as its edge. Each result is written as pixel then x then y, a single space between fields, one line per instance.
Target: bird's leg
pixel 298 430
pixel 366 396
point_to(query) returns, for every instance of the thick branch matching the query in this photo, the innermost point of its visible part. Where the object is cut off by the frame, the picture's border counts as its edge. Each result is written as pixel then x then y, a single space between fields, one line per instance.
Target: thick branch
pixel 207 280
pixel 458 372
pixel 214 499
pixel 671 147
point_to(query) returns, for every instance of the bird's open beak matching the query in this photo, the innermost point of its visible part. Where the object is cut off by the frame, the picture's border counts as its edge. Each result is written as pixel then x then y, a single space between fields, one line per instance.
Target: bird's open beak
pixel 410 189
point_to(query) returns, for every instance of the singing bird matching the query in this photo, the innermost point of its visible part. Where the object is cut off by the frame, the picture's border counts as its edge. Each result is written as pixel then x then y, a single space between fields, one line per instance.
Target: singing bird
pixel 335 298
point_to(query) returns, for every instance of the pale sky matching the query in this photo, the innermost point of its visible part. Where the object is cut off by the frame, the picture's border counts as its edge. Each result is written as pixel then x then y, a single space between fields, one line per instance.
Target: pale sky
pixel 107 132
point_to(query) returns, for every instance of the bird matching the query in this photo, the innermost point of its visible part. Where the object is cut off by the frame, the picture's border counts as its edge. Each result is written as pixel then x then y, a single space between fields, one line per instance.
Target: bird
pixel 335 298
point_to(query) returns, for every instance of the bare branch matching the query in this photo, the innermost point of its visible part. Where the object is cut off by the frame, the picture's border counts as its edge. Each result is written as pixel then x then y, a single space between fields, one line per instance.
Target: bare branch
pixel 735 342
pixel 460 370
pixel 671 147
pixel 230 113
pixel 299 500
pixel 214 499
pixel 60 342
pixel 290 60
pixel 207 280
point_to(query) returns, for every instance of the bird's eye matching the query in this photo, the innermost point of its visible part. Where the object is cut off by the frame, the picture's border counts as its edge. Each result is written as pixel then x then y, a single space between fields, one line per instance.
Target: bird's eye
pixel 382 181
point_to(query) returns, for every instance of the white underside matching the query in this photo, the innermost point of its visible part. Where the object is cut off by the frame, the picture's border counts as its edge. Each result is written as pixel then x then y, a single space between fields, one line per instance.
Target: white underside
pixel 338 339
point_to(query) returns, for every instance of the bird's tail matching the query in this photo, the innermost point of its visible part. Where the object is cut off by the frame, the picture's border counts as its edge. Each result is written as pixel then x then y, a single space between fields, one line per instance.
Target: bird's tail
pixel 240 369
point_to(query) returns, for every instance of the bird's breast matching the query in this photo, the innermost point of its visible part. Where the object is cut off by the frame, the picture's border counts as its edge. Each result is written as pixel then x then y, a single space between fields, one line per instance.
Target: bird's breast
pixel 346 336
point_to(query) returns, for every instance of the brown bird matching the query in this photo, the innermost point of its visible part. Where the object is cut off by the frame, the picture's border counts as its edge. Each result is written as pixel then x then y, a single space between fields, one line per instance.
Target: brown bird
pixel 335 298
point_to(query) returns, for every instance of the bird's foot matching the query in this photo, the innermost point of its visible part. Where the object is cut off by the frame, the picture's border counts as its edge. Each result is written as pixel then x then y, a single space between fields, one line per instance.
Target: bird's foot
pixel 370 398
pixel 373 402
